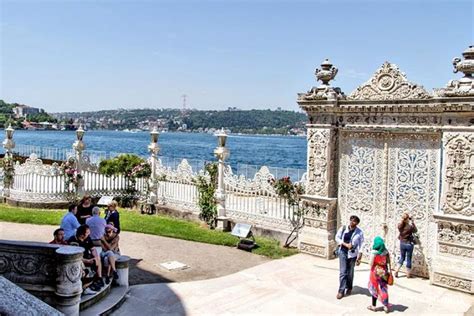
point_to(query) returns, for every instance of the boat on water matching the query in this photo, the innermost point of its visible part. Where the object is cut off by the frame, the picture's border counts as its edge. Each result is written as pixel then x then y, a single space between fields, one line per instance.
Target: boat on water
pixel 133 130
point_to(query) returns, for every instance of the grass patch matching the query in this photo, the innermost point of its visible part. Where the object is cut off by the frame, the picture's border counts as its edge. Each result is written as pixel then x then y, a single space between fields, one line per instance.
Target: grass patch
pixel 153 225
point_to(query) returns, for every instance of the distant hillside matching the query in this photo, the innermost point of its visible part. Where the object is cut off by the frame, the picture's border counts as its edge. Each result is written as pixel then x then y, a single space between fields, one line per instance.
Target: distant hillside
pixel 238 121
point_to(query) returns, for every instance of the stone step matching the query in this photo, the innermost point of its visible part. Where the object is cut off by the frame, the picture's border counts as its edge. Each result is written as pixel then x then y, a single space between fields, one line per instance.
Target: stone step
pixel 89 300
pixel 107 304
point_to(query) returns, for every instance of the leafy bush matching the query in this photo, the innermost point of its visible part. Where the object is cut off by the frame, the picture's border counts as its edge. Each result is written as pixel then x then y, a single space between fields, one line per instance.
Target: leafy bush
pixel 130 166
pixel 123 165
pixel 207 201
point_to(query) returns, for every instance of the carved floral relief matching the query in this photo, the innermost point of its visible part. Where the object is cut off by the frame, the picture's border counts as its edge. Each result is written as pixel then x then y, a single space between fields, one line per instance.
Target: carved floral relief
pixel 459 173
pixel 389 83
pixel 318 147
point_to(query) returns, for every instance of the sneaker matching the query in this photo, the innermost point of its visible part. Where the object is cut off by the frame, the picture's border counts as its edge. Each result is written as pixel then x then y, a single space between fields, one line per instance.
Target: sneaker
pixel 339 295
pixel 95 287
pixel 89 291
pixel 100 282
pixel 115 274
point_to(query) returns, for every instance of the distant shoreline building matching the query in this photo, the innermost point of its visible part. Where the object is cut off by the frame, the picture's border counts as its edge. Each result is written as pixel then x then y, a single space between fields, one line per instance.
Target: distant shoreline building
pixel 22 110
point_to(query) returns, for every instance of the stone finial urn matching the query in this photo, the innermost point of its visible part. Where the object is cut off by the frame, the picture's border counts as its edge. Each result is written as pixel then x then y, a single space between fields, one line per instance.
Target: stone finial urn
pixel 327 72
pixel 465 66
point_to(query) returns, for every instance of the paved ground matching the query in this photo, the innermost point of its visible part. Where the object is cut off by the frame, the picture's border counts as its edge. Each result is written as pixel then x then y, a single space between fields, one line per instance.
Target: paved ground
pixel 300 284
pixel 147 252
pixel 297 285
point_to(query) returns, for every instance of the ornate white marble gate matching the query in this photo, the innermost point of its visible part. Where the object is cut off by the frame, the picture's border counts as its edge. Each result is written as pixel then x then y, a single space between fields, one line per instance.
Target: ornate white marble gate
pixel 381 175
pixel 389 147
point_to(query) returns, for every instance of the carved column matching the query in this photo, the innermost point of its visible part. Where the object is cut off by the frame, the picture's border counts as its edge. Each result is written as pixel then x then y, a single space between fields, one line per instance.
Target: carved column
pixel 221 153
pixel 79 148
pixel 454 261
pixel 8 165
pixel 317 236
pixel 68 281
pixel 154 149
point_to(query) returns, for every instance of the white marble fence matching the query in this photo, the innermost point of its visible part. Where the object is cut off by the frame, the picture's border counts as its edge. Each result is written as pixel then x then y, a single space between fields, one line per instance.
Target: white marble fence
pixel 249 200
pixel 34 181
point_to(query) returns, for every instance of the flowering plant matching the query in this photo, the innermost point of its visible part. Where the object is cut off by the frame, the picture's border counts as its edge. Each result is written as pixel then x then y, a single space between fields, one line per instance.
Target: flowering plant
pixel 72 177
pixel 142 170
pixel 288 190
pixel 292 193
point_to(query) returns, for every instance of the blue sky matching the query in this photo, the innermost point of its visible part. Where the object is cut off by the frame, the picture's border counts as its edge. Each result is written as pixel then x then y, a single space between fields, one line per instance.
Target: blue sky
pixel 89 55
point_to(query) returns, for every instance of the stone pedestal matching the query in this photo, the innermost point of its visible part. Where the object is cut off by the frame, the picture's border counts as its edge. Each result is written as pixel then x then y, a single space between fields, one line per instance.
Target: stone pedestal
pixel 121 265
pixel 320 225
pixel 68 281
pixel 223 223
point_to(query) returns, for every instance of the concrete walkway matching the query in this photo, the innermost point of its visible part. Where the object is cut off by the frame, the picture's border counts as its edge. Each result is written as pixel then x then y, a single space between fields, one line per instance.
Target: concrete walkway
pixel 205 261
pixel 300 284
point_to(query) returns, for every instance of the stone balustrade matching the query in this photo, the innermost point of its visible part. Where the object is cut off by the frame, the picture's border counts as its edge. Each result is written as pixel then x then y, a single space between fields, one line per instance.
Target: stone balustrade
pixel 50 272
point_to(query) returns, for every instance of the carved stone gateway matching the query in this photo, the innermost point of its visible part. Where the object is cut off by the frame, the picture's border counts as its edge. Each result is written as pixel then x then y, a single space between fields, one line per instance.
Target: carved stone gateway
pixel 389 147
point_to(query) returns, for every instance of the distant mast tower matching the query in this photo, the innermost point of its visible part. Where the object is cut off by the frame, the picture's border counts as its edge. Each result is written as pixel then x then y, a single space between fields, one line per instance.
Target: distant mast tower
pixel 184 96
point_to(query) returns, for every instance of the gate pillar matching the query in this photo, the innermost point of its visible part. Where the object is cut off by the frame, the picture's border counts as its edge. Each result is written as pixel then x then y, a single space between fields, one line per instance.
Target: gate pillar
pixel 453 266
pixel 320 220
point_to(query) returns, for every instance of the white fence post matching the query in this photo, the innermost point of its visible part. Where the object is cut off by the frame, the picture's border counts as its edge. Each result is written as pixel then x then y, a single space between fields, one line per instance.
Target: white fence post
pixel 221 153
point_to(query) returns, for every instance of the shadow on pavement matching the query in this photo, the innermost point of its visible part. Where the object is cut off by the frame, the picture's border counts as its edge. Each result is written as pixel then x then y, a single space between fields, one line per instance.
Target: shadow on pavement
pixel 138 275
pixel 398 308
pixel 357 290
pixel 151 299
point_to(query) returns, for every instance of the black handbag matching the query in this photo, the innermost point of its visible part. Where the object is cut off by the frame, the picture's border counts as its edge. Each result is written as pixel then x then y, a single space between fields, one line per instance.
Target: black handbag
pixel 338 248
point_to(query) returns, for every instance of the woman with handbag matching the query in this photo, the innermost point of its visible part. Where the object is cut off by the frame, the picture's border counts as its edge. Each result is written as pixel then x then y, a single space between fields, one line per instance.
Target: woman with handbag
pixel 407 230
pixel 380 275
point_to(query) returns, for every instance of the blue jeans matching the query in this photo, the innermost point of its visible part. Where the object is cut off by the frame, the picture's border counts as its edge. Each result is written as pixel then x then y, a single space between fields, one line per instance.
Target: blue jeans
pixel 406 251
pixel 346 271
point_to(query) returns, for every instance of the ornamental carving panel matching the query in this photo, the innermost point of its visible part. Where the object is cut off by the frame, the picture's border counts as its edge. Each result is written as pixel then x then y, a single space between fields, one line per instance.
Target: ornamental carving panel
pixel 389 83
pixel 313 249
pixel 413 186
pixel 318 147
pixel 458 173
pixel 34 165
pixel 24 268
pixel 456 239
pixel 452 282
pixel 361 178
pixel 382 175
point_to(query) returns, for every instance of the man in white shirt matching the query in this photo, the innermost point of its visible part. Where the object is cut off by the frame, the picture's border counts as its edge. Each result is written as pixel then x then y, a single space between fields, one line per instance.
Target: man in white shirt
pixel 350 240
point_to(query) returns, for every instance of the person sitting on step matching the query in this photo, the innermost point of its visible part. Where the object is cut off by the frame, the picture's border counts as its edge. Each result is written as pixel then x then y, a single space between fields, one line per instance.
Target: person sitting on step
pixel 58 237
pixel 112 215
pixel 90 256
pixel 97 226
pixel 110 244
